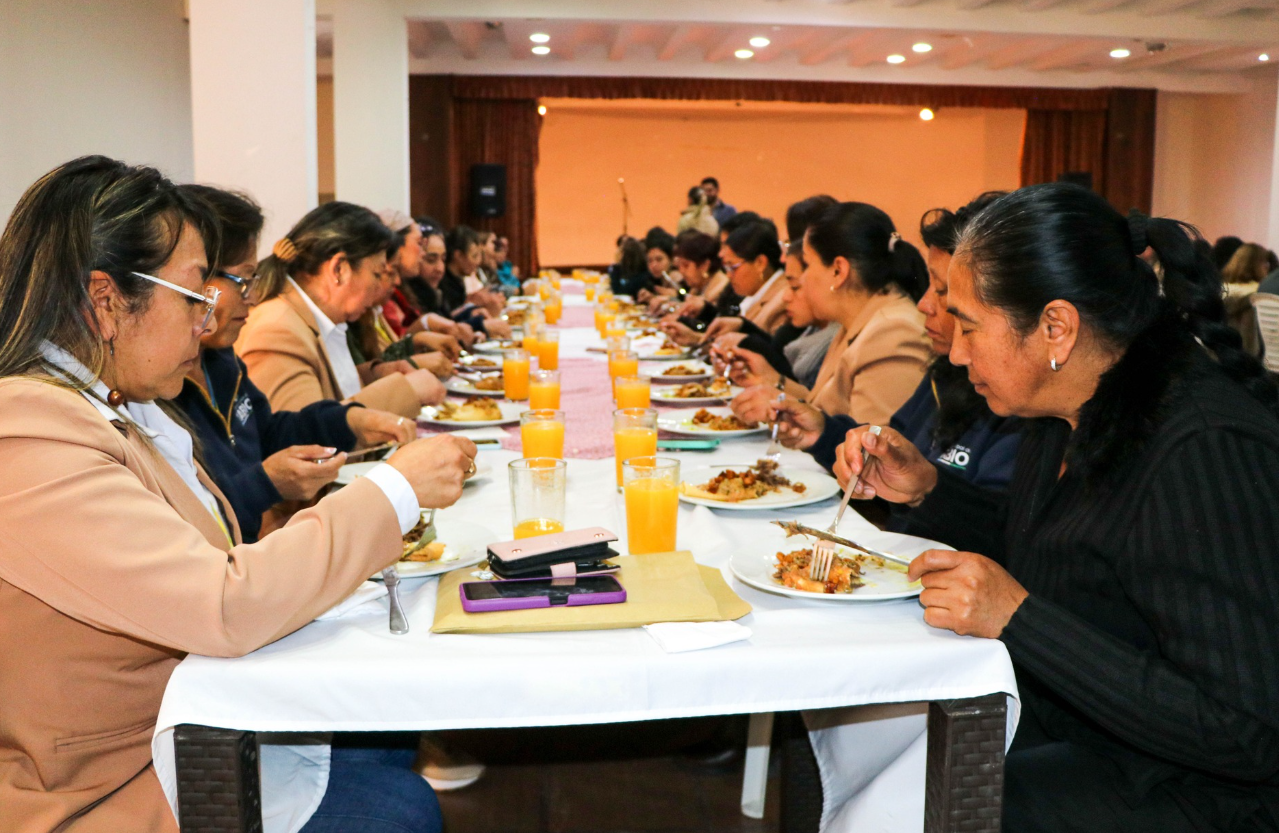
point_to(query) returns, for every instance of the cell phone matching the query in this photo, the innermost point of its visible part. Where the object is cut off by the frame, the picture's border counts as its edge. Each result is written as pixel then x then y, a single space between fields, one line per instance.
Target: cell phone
pixel 519 594
pixel 687 445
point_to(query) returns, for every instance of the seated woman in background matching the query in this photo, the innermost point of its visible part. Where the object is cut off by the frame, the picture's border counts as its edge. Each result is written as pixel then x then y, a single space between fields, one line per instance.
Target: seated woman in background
pixel 859 273
pixel 320 277
pixel 102 270
pixel 1129 572
pixel 629 275
pixel 465 298
pixel 256 456
pixel 420 294
pixel 508 274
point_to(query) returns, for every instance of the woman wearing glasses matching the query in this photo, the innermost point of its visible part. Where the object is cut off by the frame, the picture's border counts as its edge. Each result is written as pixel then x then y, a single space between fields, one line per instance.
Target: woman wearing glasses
pixel 258 457
pixel 120 556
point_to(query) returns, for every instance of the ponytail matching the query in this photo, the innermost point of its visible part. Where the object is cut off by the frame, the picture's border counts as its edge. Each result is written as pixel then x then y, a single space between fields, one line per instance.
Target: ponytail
pixel 333 228
pixel 866 237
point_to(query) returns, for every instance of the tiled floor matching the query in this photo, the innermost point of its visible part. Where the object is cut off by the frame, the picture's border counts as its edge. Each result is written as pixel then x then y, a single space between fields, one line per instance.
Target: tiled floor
pixel 600 779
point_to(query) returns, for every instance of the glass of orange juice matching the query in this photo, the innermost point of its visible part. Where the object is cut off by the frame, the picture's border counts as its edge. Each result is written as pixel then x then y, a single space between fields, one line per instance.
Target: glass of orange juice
pixel 544 289
pixel 515 374
pixel 651 487
pixel 544 390
pixel 554 307
pixel 634 435
pixel 589 289
pixel 542 432
pixel 532 327
pixel 548 349
pixel 538 487
pixel 623 363
pixel 603 320
pixel 632 391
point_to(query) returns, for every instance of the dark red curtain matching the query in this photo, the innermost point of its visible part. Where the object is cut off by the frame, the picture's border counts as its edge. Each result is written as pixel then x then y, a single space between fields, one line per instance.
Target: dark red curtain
pixel 1061 141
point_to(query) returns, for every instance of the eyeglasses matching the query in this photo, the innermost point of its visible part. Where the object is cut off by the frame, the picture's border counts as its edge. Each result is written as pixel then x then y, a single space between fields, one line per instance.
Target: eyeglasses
pixel 210 296
pixel 245 284
pixel 730 268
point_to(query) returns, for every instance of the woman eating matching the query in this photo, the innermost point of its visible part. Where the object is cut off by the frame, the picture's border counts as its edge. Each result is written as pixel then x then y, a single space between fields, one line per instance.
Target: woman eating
pixel 129 556
pixel 1129 573
pixel 325 273
pixel 859 273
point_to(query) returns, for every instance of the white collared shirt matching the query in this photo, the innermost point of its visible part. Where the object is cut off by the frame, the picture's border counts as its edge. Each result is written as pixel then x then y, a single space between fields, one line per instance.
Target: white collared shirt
pixel 334 338
pixel 750 301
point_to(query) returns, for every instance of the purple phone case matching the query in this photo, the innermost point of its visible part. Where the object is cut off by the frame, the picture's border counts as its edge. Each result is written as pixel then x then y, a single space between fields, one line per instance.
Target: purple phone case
pixel 576 600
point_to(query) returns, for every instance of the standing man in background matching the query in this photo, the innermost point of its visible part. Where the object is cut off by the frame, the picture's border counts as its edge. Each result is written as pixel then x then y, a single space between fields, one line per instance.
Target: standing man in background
pixel 720 209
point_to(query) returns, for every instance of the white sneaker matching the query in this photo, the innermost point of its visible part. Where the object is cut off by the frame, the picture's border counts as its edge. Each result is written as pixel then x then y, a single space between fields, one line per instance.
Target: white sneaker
pixel 443 769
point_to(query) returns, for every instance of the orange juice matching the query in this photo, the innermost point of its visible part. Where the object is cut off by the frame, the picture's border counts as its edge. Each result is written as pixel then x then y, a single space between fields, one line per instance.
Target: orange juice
pixel 544 394
pixel 652 504
pixel 543 438
pixel 590 292
pixel 529 342
pixel 554 309
pixel 633 442
pixel 544 289
pixel 548 354
pixel 540 526
pixel 613 330
pixel 604 320
pixel 515 374
pixel 622 363
pixel 632 392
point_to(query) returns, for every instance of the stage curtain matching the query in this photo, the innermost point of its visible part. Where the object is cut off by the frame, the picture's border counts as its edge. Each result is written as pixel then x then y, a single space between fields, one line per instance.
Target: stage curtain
pixel 501 132
pixel 1059 141
pixel 1130 149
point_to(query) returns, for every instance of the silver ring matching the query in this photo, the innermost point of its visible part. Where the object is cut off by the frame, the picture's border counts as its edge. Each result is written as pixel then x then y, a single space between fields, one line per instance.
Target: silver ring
pixel 400 421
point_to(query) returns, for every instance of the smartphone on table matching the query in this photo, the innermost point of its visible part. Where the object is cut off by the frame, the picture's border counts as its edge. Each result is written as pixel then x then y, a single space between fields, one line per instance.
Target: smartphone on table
pixel 520 594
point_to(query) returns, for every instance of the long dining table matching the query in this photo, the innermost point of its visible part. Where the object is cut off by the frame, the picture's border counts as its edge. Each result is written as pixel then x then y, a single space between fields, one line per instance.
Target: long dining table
pixel 908 724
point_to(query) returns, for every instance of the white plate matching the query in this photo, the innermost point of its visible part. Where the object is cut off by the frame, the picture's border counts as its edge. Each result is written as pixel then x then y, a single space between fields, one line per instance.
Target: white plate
pixel 664 395
pixel 353 471
pixel 820 486
pixel 646 345
pixel 466 387
pixel 510 413
pixel 755 567
pixel 465 545
pixel 655 371
pixel 496 345
pixel 681 422
pixel 467 364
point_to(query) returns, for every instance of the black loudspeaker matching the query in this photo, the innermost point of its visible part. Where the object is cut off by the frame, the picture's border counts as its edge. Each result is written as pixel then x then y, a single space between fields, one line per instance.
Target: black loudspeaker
pixel 488 190
pixel 1080 178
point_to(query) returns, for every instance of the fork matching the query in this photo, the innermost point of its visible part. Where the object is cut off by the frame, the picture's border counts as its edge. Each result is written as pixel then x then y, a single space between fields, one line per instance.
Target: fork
pixel 399 622
pixel 774 451
pixel 823 550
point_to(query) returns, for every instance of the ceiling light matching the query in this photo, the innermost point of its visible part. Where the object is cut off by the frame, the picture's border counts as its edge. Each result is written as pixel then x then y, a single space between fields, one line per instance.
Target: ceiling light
pixel 922 47
pixel 744 54
pixel 541 50
pixel 1119 53
pixel 896 59
pixel 927 114
pixel 1263 57
pixel 760 43
pixel 539 37
pixel 541 109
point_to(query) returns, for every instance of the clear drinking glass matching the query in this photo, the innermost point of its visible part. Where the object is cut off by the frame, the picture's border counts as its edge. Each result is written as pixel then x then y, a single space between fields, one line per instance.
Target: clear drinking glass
pixel 634 435
pixel 651 487
pixel 538 487
pixel 542 432
pixel 544 389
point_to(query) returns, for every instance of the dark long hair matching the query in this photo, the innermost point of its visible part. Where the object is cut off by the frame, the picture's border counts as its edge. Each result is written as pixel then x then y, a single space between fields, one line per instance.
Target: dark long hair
pixel 864 236
pixel 333 228
pixel 940 228
pixel 91 214
pixel 239 218
pixel 751 240
pixel 802 214
pixel 1060 241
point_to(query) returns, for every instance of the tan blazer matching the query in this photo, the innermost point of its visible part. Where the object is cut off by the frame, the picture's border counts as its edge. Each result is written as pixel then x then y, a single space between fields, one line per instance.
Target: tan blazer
pixel 111 571
pixel 281 347
pixel 874 365
pixel 769 312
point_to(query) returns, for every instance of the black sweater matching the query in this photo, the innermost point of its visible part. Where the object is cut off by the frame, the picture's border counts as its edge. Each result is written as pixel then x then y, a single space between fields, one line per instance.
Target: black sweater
pixel 1151 632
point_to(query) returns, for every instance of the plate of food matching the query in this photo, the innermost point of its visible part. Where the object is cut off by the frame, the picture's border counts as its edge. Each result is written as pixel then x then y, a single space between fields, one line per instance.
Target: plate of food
pixel 696 393
pixel 658 348
pixel 477 364
pixel 488 385
pixel 762 485
pixel 495 345
pixel 719 422
pixel 781 566
pixel 440 547
pixel 666 373
pixel 353 471
pixel 480 412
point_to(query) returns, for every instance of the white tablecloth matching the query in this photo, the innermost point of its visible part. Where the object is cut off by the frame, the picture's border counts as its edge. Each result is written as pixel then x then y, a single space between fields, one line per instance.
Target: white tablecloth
pixel 352 674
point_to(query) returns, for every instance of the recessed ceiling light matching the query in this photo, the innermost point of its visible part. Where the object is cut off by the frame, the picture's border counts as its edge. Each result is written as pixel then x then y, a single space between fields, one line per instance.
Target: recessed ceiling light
pixel 927 114
pixel 539 37
pixel 1263 57
pixel 760 43
pixel 541 50
pixel 922 47
pixel 896 59
pixel 1119 53
pixel 541 109
pixel 744 54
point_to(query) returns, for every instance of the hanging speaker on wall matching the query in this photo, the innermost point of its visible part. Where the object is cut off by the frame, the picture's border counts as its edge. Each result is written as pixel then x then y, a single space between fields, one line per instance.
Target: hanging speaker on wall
pixel 488 190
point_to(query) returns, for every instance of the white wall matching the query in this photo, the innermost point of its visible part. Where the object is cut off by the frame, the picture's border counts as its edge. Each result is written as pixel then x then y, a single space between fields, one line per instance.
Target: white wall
pixel 88 76
pixel 1214 157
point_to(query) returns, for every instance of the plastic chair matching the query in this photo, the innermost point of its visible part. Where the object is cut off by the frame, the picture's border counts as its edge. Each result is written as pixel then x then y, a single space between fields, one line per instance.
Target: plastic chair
pixel 1267 307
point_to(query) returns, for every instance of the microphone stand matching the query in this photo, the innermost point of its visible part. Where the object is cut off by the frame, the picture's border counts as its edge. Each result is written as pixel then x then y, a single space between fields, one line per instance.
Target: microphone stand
pixel 626 206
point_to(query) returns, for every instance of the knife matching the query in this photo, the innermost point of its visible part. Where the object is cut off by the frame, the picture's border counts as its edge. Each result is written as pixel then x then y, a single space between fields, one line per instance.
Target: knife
pixel 796 528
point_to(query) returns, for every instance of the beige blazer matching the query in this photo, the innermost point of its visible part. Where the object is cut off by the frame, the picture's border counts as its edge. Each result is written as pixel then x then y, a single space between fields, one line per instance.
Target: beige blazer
pixel 873 366
pixel 111 571
pixel 287 360
pixel 769 312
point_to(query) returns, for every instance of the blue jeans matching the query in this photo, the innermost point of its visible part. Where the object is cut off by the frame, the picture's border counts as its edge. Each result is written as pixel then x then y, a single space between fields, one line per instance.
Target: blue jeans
pixel 373 789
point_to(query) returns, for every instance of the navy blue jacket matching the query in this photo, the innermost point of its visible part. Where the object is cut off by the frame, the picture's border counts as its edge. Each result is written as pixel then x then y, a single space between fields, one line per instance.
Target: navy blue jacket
pixel 242 431
pixel 983 457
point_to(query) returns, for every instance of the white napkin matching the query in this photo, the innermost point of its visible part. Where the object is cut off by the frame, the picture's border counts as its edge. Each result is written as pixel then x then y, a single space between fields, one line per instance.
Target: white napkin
pixel 493 433
pixel 359 603
pixel 675 637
